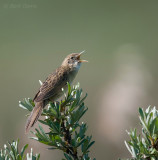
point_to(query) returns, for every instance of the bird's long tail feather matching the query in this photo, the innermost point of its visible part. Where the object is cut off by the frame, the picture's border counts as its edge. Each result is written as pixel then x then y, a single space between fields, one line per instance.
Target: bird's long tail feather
pixel 36 112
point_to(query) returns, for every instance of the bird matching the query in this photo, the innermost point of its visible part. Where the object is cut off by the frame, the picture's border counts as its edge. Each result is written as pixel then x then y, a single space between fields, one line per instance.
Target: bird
pixel 51 89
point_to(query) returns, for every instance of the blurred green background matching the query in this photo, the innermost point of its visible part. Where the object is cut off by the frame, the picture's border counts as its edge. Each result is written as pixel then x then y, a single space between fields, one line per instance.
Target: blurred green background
pixel 121 42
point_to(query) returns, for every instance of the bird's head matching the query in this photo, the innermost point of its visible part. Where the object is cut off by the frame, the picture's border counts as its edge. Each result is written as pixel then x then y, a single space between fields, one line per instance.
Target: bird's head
pixel 73 61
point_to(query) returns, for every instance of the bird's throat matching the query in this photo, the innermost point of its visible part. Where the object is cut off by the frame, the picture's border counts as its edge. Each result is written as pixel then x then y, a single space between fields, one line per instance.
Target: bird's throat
pixel 72 75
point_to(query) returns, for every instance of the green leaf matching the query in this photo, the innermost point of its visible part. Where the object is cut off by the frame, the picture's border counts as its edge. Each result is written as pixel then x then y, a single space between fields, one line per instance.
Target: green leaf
pixel 69 89
pixel 144 124
pixel 141 112
pixel 19 157
pixel 43 133
pixel 128 148
pixel 26 105
pixel 82 100
pixel 156 125
pixel 90 144
pixel 53 109
pixel 152 126
pixel 67 156
pixel 43 122
pixel 84 146
pixel 23 150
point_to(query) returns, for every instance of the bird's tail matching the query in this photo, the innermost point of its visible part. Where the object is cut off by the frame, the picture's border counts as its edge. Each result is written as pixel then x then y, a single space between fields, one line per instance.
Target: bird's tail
pixel 36 112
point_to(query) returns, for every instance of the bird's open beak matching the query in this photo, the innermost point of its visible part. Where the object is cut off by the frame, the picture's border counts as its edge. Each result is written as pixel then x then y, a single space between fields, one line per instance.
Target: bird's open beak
pixel 82 61
pixel 80 56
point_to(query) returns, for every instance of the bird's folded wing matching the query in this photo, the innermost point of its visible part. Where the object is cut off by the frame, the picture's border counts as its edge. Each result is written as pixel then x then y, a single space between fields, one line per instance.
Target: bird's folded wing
pixel 51 86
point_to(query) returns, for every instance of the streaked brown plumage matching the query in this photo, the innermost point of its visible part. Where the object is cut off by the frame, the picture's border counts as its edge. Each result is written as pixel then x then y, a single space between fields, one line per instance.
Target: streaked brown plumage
pixel 51 89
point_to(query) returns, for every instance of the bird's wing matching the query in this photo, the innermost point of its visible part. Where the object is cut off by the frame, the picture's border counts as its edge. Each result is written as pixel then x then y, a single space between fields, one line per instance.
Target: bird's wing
pixel 52 85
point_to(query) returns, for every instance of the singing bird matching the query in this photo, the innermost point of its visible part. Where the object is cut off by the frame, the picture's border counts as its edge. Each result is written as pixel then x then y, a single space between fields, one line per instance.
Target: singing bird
pixel 51 89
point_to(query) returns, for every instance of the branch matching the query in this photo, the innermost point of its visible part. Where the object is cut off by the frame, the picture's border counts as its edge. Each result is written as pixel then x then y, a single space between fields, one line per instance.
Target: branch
pixel 145 146
pixel 11 152
pixel 66 133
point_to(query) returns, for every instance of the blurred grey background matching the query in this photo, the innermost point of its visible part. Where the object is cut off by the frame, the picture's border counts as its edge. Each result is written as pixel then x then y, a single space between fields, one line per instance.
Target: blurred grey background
pixel 121 42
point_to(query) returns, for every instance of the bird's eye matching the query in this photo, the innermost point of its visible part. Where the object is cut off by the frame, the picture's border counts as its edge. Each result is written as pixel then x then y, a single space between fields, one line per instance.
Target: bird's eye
pixel 72 57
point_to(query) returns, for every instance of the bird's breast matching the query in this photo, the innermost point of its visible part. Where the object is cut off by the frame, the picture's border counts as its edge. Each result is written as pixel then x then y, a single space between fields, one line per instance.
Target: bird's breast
pixel 66 77
pixel 72 75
